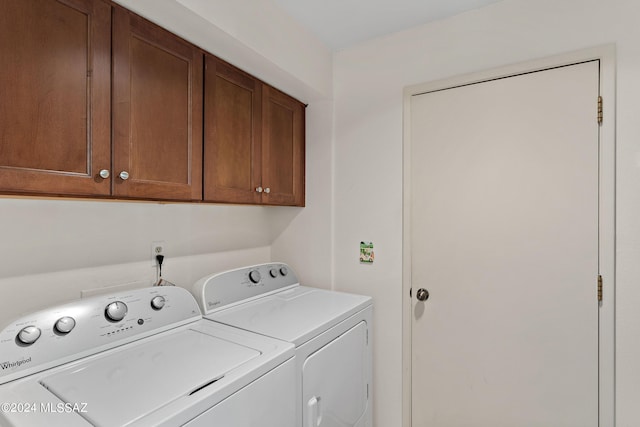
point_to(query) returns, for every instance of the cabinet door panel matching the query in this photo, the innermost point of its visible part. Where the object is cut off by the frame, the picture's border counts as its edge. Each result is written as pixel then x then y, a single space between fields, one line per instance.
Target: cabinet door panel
pixel 283 149
pixel 232 155
pixel 55 85
pixel 157 112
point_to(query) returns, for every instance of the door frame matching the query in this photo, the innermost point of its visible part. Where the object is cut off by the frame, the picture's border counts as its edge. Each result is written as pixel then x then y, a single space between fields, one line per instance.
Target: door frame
pixel 606 205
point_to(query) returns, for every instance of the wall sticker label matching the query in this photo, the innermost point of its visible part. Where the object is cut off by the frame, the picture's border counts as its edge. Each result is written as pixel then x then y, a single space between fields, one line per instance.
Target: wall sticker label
pixel 366 253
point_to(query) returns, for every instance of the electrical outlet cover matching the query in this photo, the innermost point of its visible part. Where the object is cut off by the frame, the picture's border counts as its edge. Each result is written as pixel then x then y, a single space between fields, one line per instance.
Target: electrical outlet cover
pixel 158 247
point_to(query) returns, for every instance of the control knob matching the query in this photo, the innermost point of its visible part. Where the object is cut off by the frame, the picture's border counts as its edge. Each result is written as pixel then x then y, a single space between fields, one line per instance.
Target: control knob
pixel 28 335
pixel 284 271
pixel 115 311
pixel 64 325
pixel 157 302
pixel 254 276
pixel 273 272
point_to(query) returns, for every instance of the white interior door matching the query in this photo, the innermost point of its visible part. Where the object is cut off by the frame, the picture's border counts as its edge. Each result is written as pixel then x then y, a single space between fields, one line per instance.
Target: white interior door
pixel 504 236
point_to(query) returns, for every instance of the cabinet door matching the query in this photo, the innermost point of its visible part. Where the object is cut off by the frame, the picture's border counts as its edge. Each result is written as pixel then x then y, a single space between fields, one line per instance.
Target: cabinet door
pixel 55 86
pixel 232 152
pixel 157 112
pixel 282 149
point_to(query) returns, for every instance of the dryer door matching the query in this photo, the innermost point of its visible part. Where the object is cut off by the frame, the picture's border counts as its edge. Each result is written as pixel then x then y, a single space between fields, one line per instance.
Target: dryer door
pixel 334 385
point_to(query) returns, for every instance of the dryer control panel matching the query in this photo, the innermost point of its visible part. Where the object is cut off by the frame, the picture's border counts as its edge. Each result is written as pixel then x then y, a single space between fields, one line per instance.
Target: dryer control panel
pixel 223 290
pixel 84 327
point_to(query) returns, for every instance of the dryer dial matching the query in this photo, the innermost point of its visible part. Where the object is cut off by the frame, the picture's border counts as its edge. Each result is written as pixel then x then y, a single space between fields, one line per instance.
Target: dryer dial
pixel 115 311
pixel 254 276
pixel 157 302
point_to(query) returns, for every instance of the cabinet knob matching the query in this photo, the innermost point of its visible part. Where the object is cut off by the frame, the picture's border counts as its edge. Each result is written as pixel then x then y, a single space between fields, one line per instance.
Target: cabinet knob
pixel 267 190
pixel 124 175
pixel 259 189
pixel 104 173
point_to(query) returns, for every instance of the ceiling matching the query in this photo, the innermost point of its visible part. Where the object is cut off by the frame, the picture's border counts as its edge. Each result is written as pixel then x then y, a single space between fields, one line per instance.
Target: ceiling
pixel 342 23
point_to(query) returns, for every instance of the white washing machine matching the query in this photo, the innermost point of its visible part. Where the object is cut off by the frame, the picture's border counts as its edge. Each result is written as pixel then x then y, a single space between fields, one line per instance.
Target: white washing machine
pixel 141 358
pixel 330 330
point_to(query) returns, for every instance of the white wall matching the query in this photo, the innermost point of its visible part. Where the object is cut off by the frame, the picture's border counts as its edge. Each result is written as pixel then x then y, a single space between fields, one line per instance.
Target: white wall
pixel 29 293
pixel 368 84
pixel 41 237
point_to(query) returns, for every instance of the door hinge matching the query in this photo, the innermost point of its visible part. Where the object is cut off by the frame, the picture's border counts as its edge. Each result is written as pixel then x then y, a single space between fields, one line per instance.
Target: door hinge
pixel 599 110
pixel 599 288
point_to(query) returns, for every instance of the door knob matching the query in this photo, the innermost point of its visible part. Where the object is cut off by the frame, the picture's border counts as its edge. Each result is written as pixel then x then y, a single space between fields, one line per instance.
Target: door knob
pixel 422 294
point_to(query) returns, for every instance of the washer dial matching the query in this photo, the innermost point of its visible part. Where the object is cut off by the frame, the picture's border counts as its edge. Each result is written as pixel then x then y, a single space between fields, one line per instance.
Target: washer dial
pixel 28 335
pixel 115 311
pixel 64 325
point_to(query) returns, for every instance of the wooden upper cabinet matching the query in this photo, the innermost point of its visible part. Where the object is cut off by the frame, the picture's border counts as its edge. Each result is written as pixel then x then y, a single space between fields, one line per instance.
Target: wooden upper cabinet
pixel 97 101
pixel 157 112
pixel 55 92
pixel 232 133
pixel 253 140
pixel 283 144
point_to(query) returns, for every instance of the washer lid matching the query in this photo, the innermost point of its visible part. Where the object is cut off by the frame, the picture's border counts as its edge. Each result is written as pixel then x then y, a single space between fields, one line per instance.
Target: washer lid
pixel 123 387
pixel 294 315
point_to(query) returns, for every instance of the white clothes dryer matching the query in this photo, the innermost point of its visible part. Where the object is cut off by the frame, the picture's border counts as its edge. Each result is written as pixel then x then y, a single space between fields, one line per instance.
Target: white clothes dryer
pixel 143 357
pixel 330 330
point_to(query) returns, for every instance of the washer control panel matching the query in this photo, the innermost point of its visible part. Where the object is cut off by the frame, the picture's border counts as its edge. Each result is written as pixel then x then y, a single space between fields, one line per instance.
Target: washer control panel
pixel 222 290
pixel 71 331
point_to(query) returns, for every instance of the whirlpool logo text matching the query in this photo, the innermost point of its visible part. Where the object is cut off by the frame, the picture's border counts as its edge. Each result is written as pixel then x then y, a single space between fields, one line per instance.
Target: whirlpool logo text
pixel 16 364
